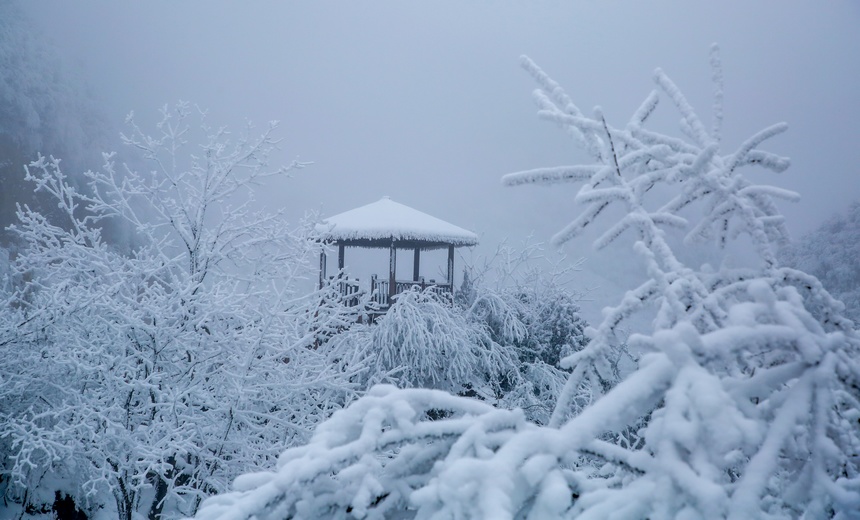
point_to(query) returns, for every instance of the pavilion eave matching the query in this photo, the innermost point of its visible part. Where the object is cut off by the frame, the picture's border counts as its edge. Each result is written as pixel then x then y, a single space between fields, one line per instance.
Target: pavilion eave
pixel 385 243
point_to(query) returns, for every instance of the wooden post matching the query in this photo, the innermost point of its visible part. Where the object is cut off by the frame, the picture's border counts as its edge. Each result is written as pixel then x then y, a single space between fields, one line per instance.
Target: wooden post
pixel 392 268
pixel 340 249
pixel 415 263
pixel 451 268
pixel 322 268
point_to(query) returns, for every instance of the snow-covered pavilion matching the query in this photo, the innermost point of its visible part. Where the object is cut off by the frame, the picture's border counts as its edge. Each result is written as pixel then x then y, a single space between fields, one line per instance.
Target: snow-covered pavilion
pixel 391 225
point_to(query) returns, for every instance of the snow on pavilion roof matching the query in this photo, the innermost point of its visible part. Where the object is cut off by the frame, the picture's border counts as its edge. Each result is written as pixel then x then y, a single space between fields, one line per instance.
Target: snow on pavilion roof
pixel 379 223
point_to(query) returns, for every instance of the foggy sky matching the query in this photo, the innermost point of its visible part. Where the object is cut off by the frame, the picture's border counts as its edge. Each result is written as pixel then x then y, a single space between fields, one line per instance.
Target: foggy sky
pixel 425 102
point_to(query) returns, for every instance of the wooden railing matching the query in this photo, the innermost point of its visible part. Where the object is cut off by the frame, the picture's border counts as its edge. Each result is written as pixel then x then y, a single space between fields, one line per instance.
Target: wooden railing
pixel 350 290
pixel 379 292
pixel 381 295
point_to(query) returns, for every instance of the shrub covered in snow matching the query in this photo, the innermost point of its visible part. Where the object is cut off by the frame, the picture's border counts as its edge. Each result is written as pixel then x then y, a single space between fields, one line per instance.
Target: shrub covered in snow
pixel 500 347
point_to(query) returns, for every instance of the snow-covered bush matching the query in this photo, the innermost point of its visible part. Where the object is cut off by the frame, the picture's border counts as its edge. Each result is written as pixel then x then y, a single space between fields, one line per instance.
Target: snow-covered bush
pixel 524 299
pixel 489 348
pixel 743 403
pixel 423 341
pixel 142 383
pixel 554 328
pixel 540 322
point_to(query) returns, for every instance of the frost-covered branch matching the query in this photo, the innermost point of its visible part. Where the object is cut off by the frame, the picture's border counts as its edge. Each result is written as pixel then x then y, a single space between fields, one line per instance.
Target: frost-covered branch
pixel 743 401
pixel 151 379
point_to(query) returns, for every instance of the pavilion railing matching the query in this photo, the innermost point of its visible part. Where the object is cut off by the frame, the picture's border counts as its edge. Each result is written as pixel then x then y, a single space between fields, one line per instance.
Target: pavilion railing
pixel 350 290
pixel 381 295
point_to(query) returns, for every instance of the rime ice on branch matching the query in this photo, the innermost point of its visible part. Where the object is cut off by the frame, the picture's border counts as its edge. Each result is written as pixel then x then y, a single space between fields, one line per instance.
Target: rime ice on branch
pixel 629 162
pixel 744 403
pixel 735 329
pixel 145 382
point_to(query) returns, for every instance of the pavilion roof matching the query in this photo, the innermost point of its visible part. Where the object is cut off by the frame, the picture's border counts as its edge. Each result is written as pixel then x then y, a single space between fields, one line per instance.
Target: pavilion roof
pixel 380 223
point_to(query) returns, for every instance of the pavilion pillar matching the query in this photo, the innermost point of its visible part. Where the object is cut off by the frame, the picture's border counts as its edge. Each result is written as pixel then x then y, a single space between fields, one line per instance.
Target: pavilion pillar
pixel 392 268
pixel 322 268
pixel 416 261
pixel 451 268
pixel 340 251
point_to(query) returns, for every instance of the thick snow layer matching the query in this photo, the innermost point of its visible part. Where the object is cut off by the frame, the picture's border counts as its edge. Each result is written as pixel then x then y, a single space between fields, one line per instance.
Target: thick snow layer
pixel 386 219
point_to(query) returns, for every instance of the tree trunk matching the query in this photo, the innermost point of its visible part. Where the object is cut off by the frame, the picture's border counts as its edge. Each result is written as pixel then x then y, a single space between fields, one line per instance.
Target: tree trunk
pixel 124 501
pixel 161 488
pixel 158 500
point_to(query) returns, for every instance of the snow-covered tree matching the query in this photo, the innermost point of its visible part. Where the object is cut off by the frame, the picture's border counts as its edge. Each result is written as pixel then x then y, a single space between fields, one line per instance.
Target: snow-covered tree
pixel 144 382
pixel 743 404
pixel 831 253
